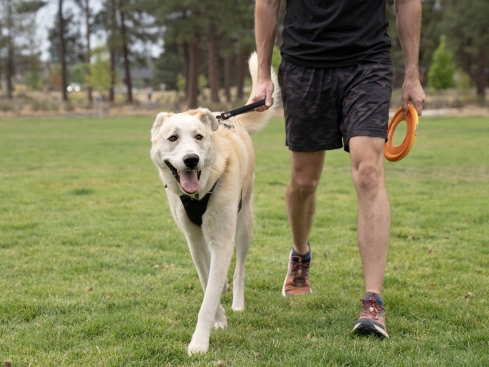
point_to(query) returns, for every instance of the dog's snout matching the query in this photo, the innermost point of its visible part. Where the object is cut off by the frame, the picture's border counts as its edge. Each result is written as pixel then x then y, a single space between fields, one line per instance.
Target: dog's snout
pixel 191 160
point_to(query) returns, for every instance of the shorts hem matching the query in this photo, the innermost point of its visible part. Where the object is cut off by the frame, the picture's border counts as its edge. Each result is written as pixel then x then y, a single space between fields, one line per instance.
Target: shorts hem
pixel 371 133
pixel 313 148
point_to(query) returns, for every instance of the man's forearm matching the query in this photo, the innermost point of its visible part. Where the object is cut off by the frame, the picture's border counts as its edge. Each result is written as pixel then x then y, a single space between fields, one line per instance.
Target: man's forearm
pixel 266 19
pixel 408 15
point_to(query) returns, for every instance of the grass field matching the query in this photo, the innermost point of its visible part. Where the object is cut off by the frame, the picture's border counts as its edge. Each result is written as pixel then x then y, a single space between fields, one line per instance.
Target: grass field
pixel 94 272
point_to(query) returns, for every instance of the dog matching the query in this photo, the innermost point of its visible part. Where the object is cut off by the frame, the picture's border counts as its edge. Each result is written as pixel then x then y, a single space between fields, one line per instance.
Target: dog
pixel 207 168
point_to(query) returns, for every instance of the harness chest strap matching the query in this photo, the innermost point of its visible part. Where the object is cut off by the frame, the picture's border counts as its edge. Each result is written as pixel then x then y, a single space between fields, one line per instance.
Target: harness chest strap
pixel 195 209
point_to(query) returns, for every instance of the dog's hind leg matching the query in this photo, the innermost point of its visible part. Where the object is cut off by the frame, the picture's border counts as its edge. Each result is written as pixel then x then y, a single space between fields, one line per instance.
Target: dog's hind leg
pixel 244 234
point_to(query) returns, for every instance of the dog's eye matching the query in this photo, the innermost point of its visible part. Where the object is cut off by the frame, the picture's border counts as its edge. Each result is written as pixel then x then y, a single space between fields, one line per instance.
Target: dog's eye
pixel 173 138
pixel 199 137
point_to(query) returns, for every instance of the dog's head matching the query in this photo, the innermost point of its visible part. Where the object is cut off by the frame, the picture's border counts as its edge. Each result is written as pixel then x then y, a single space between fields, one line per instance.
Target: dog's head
pixel 182 148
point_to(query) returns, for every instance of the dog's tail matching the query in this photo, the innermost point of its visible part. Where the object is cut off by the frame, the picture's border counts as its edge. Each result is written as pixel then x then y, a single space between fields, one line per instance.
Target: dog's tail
pixel 255 121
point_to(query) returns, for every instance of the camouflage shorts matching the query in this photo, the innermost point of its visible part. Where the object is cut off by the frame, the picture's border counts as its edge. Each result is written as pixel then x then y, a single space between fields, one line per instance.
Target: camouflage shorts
pixel 325 107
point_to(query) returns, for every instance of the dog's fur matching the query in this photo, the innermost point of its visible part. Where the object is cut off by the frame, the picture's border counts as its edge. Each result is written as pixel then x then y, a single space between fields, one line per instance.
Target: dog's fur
pixel 204 152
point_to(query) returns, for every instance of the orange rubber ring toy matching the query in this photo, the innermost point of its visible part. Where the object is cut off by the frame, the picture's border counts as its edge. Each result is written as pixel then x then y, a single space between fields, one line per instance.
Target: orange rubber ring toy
pixel 396 153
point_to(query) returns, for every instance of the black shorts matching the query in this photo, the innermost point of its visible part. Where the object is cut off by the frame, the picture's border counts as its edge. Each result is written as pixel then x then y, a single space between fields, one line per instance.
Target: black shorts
pixel 325 107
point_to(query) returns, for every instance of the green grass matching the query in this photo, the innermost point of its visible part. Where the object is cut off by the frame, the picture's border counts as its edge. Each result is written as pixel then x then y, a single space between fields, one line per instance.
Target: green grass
pixel 95 272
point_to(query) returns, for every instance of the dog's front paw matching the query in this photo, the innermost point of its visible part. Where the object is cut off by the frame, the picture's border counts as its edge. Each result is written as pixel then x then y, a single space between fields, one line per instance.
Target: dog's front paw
pixel 196 347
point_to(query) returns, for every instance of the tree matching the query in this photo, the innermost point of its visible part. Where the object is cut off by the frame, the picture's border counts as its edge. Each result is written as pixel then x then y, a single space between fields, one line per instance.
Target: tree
pixel 125 49
pixel 127 24
pixel 17 29
pixel 10 47
pixel 106 21
pixel 467 28
pixel 66 47
pixel 33 79
pixel 87 13
pixel 168 66
pixel 62 50
pixel 443 68
pixel 237 43
pixel 184 27
pixel 226 26
pixel 100 78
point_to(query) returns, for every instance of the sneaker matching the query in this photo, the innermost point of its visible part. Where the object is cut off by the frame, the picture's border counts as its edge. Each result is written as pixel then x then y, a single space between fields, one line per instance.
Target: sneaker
pixel 297 279
pixel 372 318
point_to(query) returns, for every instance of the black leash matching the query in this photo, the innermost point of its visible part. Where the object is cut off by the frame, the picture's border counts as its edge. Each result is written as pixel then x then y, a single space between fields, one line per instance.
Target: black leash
pixel 240 110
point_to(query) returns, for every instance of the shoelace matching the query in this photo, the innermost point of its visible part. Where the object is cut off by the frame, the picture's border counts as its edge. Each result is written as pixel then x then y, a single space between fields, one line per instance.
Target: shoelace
pixel 299 270
pixel 371 307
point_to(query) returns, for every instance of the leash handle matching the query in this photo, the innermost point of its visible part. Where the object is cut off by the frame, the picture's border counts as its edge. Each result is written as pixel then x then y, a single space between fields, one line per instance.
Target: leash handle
pixel 240 110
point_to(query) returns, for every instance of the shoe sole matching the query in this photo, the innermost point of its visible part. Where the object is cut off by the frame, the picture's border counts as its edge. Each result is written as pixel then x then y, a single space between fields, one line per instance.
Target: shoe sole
pixel 368 327
pixel 291 294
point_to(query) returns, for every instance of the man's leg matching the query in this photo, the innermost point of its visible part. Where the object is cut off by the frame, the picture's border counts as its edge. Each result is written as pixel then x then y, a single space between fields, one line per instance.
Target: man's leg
pixel 374 218
pixel 306 169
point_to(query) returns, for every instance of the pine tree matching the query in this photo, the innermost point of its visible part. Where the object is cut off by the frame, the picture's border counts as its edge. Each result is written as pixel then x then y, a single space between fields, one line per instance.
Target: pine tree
pixel 443 68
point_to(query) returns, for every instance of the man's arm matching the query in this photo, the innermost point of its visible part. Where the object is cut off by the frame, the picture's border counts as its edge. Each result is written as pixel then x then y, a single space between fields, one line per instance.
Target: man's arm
pixel 266 20
pixel 408 16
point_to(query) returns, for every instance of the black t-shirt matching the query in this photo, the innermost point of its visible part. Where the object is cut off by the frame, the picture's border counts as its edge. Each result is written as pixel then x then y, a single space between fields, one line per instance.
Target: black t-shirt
pixel 329 33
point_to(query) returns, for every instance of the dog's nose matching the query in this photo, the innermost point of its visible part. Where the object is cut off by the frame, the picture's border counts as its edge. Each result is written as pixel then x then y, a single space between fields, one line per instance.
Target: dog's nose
pixel 191 160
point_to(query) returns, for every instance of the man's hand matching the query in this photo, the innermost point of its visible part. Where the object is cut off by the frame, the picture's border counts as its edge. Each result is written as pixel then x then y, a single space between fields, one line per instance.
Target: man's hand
pixel 412 91
pixel 264 90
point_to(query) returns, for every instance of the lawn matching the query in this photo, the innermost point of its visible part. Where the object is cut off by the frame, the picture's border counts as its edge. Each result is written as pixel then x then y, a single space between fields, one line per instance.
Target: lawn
pixel 94 271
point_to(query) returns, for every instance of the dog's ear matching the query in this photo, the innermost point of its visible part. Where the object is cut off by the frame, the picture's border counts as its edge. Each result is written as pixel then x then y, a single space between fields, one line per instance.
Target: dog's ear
pixel 160 118
pixel 207 117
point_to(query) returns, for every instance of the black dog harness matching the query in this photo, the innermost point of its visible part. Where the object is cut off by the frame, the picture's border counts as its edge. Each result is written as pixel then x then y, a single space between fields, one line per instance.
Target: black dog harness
pixel 196 208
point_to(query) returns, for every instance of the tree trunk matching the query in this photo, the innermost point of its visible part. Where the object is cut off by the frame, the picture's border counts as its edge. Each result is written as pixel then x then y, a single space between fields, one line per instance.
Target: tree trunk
pixel 186 58
pixel 227 76
pixel 481 75
pixel 10 51
pixel 242 68
pixel 125 55
pixel 62 50
pixel 213 64
pixel 89 51
pixel 112 76
pixel 113 23
pixel 193 74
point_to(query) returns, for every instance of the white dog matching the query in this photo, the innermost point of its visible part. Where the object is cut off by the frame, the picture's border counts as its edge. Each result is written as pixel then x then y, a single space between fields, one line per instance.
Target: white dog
pixel 207 168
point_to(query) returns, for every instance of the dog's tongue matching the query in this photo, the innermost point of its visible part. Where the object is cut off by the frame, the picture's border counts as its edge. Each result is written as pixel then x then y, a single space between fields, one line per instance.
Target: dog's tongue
pixel 189 181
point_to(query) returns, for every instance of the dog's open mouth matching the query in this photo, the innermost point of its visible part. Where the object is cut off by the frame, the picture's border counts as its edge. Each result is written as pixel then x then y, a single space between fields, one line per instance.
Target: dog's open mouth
pixel 188 180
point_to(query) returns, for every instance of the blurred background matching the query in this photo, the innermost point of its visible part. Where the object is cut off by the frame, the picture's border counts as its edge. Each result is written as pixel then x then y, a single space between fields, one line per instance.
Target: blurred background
pixel 95 57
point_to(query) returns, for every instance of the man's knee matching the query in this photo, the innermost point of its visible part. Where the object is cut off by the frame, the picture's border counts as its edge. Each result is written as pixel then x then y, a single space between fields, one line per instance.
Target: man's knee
pixel 368 177
pixel 303 186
